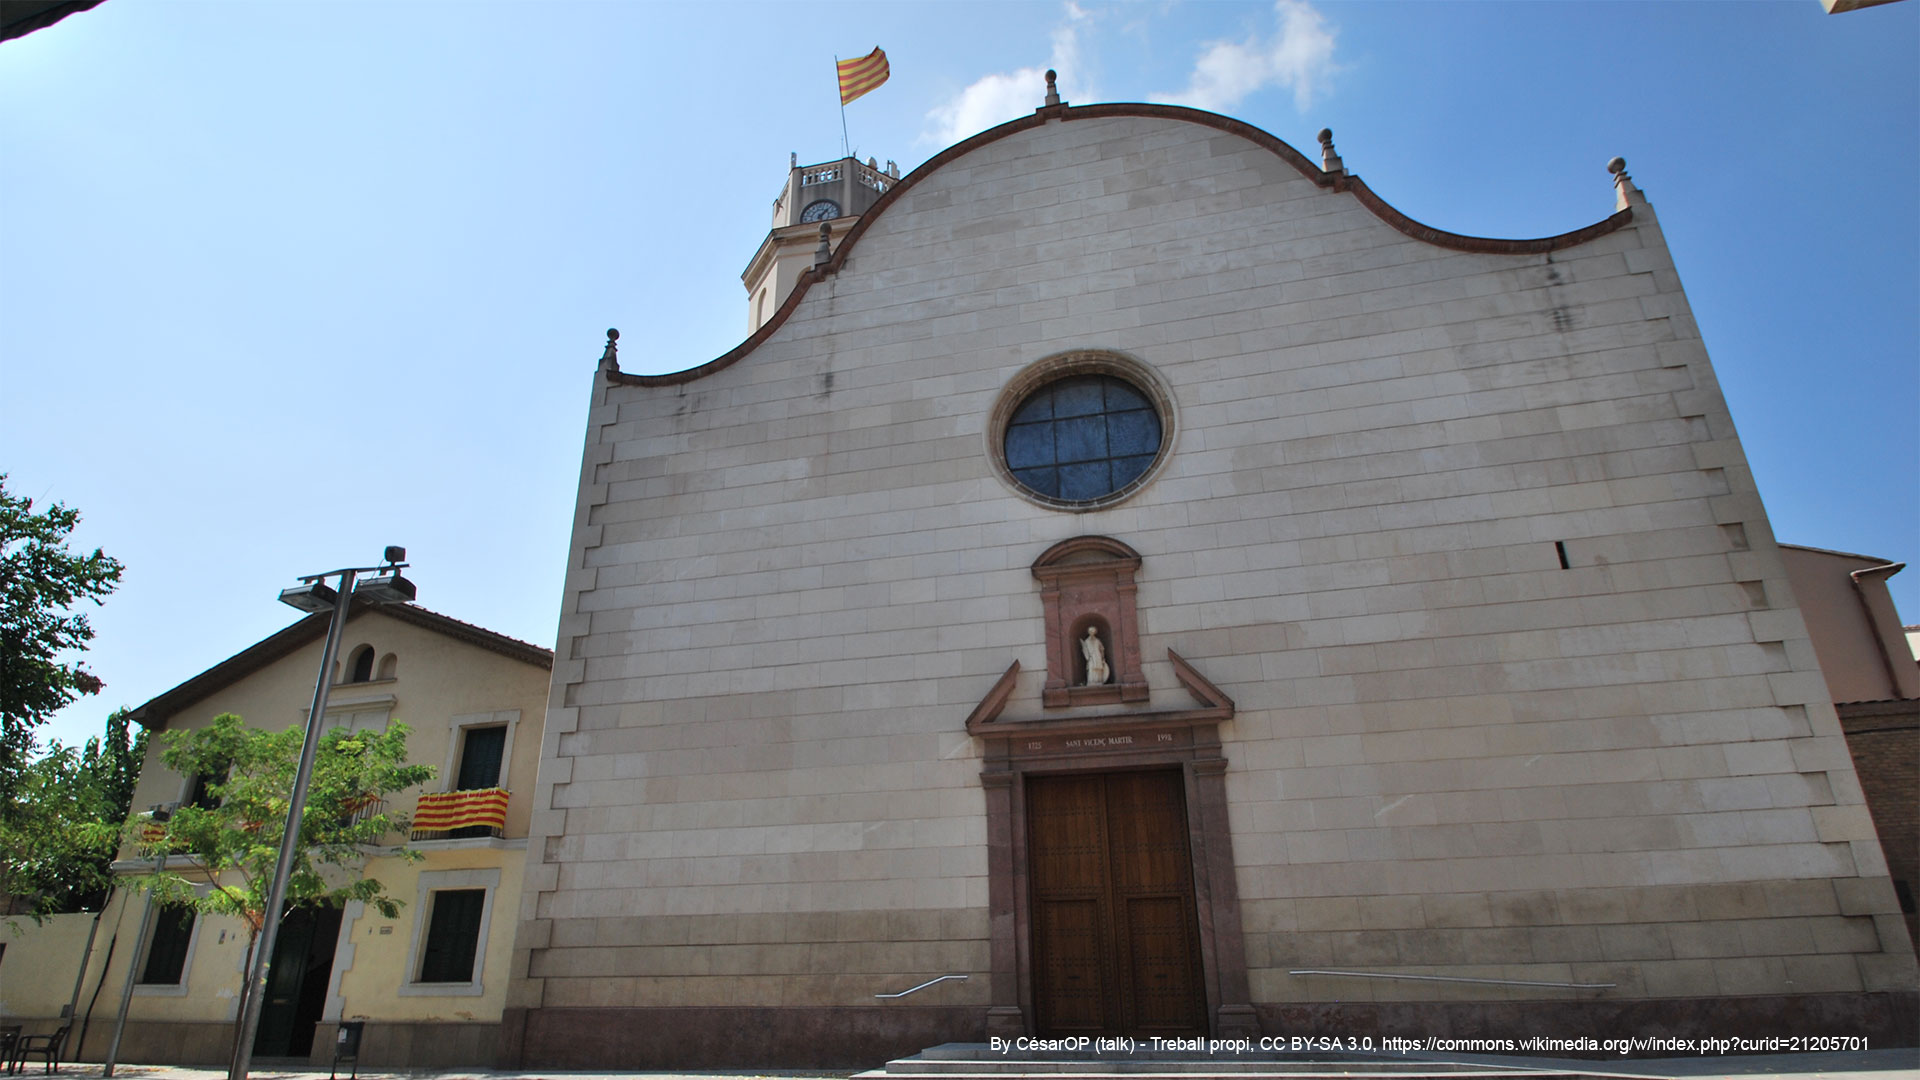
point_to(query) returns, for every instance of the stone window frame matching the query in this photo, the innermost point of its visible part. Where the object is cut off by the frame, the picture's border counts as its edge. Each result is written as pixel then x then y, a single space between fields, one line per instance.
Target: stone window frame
pixel 178 988
pixel 457 739
pixel 360 665
pixel 373 713
pixel 1063 365
pixel 434 881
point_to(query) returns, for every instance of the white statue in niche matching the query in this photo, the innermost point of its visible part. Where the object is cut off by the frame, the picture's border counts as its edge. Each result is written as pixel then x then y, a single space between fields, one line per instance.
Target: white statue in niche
pixel 1096 656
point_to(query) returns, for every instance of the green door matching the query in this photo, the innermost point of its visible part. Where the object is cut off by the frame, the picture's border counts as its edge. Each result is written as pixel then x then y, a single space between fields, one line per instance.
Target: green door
pixel 297 982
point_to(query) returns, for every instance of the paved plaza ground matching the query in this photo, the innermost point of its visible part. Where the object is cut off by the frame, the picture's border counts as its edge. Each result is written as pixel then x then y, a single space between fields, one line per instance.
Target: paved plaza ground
pixel 1894 1064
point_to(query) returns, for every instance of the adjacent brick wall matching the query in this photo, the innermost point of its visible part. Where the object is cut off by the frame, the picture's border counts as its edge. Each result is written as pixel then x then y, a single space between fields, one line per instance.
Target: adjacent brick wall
pixel 1884 737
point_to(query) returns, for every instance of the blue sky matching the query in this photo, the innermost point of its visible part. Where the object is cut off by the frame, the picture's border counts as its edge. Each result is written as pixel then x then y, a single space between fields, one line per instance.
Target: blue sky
pixel 281 283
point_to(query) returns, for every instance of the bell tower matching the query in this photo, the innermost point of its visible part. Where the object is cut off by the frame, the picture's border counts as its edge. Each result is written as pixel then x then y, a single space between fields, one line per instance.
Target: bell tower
pixel 834 193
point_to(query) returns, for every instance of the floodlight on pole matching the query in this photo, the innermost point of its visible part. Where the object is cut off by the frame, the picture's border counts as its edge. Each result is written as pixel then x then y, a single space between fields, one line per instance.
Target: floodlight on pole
pixel 386 586
pixel 312 597
pixel 385 589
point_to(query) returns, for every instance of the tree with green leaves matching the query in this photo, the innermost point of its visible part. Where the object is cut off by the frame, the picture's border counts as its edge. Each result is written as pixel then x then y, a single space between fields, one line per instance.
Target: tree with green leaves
pixel 230 842
pixel 40 583
pixel 58 829
pixel 113 758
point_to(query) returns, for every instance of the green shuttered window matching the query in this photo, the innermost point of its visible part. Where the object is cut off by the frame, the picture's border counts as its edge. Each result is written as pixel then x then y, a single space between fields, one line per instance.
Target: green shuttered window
pixel 453 934
pixel 167 953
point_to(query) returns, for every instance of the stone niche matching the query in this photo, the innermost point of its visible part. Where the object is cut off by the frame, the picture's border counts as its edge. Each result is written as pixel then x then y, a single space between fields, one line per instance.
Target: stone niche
pixel 1086 584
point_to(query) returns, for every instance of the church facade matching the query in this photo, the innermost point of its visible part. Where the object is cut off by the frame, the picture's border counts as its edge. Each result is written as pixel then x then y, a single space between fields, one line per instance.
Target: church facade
pixel 1140 571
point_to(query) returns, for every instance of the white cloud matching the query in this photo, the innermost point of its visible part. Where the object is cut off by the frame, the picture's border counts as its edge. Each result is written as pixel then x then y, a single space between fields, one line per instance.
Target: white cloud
pixel 1299 57
pixel 995 99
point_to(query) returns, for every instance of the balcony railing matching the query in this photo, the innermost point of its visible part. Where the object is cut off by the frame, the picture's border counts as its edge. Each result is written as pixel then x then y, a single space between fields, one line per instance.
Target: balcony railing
pixel 455 815
pixel 873 178
pixel 370 808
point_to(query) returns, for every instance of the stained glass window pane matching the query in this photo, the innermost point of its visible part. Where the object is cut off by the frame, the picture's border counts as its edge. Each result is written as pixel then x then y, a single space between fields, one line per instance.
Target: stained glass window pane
pixel 1078 397
pixel 1037 407
pixel 1120 396
pixel 1044 481
pixel 1133 433
pixel 1085 481
pixel 1082 438
pixel 1127 470
pixel 1029 444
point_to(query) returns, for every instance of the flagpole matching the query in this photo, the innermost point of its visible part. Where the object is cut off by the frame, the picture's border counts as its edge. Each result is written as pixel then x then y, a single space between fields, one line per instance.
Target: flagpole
pixel 845 145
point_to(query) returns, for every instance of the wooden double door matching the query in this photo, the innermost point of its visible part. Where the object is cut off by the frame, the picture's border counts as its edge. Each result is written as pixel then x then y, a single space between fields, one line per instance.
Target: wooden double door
pixel 1115 938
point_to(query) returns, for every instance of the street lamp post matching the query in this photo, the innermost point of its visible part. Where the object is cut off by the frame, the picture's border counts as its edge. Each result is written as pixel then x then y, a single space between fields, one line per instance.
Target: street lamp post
pixel 311 595
pixel 159 814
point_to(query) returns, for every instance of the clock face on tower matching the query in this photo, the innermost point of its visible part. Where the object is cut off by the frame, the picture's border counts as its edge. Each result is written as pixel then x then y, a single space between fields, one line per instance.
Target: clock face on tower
pixel 821 210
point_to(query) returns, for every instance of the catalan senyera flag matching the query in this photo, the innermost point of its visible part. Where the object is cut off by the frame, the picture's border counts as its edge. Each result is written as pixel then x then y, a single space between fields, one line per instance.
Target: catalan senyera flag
pixel 859 76
pixel 461 809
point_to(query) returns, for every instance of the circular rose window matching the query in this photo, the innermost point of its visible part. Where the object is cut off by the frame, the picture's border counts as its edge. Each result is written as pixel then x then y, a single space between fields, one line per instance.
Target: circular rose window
pixel 1080 432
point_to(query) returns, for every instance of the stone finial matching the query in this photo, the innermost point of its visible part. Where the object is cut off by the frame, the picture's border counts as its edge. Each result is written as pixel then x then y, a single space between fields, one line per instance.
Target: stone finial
pixel 1329 160
pixel 793 159
pixel 610 359
pixel 1624 193
pixel 1053 91
pixel 825 251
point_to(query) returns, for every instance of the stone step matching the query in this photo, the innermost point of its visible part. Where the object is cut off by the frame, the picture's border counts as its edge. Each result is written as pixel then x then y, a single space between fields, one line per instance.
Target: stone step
pixel 907 1069
pixel 1203 1063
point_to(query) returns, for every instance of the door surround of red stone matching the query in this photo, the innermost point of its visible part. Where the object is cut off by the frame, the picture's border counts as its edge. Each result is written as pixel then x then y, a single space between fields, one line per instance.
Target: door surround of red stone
pixel 1185 739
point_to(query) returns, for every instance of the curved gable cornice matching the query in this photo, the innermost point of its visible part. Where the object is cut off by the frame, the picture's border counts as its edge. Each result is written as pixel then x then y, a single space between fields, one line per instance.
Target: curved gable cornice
pixel 1105 548
pixel 1336 181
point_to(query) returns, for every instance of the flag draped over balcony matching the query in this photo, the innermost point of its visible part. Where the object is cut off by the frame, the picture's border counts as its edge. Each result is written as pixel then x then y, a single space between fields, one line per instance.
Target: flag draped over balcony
pixel 859 76
pixel 461 810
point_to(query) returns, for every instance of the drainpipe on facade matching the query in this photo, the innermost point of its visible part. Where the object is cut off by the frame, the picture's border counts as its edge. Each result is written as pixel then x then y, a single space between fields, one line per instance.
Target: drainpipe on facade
pixel 1902 683
pixel 86 955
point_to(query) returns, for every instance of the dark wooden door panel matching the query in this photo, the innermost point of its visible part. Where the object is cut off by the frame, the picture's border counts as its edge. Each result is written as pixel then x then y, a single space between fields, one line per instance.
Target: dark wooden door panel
pixel 1068 845
pixel 1075 972
pixel 1147 826
pixel 1075 986
pixel 1115 936
pixel 1162 970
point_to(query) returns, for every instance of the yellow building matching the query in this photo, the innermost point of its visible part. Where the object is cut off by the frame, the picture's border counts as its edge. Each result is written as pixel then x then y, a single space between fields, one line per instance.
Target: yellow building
pixel 429 985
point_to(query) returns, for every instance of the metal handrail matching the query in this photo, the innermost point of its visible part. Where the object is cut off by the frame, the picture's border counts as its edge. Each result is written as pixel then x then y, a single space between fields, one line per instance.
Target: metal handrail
pixel 922 986
pixel 1456 979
